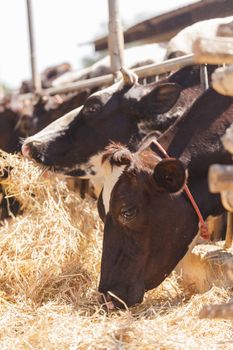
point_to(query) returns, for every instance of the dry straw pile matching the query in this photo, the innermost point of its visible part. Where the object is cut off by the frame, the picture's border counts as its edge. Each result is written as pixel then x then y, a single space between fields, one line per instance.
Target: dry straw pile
pixel 49 268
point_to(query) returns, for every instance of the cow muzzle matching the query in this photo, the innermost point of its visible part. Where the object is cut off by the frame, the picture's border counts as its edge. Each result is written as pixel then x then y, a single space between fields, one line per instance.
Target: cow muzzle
pixel 122 297
pixel 31 150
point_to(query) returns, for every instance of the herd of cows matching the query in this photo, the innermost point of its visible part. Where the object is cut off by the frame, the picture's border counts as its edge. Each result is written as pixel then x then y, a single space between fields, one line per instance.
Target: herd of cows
pixel 111 138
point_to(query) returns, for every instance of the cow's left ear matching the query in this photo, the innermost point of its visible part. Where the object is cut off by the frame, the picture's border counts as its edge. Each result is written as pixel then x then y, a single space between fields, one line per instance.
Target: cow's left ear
pixel 170 175
pixel 117 155
pixel 161 99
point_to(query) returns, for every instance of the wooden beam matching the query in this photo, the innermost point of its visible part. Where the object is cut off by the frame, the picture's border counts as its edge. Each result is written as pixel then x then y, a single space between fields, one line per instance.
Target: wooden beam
pixel 220 178
pixel 214 51
pixel 220 181
pixel 222 80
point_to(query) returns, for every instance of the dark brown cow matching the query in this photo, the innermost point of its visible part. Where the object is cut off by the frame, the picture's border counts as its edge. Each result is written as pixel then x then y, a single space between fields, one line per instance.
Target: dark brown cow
pixel 149 222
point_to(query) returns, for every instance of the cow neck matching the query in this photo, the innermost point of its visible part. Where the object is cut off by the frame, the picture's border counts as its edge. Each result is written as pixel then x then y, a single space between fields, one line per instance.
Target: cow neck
pixel 202 226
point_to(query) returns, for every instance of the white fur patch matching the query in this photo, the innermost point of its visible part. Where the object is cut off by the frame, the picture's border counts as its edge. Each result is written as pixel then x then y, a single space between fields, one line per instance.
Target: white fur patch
pixel 97 180
pixel 111 178
pixel 105 177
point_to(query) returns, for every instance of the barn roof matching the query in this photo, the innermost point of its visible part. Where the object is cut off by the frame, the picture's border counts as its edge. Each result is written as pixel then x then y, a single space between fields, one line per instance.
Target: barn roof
pixel 163 27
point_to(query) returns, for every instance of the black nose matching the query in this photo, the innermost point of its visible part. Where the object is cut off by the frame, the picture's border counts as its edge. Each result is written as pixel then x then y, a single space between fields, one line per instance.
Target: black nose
pixel 31 151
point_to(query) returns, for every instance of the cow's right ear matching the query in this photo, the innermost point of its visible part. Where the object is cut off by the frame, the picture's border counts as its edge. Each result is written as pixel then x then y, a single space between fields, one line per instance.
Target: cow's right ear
pixel 170 175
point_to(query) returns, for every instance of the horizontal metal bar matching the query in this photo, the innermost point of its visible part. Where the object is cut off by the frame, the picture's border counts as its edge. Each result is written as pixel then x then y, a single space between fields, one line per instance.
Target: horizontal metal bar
pixel 165 66
pixel 142 72
pixel 82 84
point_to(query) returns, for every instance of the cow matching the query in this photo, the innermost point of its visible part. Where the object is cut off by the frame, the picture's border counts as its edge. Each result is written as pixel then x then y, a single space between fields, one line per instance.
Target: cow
pixel 73 145
pixel 182 43
pixel 17 122
pixel 148 220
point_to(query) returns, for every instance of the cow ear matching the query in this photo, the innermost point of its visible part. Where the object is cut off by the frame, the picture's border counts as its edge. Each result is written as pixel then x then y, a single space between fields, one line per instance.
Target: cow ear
pixel 161 99
pixel 117 155
pixel 170 175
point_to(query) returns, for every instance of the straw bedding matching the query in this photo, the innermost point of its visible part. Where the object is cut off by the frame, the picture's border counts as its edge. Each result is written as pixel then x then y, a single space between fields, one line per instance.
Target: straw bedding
pixel 49 270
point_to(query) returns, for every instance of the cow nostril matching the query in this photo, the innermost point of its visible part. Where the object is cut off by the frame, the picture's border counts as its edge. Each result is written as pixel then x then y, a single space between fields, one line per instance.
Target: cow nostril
pixel 31 150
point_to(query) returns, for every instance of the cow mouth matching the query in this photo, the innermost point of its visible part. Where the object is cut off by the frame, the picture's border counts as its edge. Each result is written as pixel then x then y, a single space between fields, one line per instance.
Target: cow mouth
pixel 122 298
pixel 111 302
pixel 81 172
pixel 83 169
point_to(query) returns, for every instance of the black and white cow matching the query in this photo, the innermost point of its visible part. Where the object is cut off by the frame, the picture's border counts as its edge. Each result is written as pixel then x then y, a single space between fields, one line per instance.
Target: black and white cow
pixel 74 143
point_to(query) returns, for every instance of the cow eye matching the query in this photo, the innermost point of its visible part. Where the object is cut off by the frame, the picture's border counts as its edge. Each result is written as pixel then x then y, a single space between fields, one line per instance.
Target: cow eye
pixel 92 108
pixel 128 213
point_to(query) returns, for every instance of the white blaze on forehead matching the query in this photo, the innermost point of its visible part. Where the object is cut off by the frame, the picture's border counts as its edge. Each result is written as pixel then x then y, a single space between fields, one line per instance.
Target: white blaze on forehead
pixel 111 177
pixel 105 177
pixel 50 132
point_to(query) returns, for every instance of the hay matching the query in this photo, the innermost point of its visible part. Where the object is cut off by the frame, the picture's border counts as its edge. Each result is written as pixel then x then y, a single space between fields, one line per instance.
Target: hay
pixel 49 270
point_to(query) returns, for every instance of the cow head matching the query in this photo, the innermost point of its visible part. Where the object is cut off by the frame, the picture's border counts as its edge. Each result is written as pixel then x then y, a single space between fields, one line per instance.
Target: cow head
pixel 73 144
pixel 148 222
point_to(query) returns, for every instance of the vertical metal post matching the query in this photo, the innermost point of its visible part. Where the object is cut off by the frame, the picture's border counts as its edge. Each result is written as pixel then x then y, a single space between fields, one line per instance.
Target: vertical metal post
pixel 115 37
pixel 36 82
pixel 204 77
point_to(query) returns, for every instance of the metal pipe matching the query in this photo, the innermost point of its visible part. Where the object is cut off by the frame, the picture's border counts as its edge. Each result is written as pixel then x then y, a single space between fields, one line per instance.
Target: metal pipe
pixel 145 71
pixel 36 82
pixel 115 37
pixel 204 77
pixel 165 66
